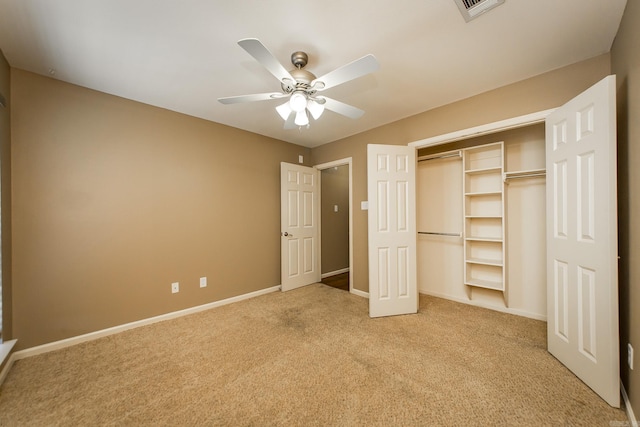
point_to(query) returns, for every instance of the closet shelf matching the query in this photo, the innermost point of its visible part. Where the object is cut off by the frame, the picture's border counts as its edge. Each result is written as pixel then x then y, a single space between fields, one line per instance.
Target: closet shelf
pixel 483 239
pixel 440 233
pixel 488 284
pixel 494 262
pixel 484 170
pixel 484 193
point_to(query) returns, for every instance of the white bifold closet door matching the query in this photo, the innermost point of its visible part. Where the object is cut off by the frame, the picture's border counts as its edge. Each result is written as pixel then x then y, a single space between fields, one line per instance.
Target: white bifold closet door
pixel 391 171
pixel 582 239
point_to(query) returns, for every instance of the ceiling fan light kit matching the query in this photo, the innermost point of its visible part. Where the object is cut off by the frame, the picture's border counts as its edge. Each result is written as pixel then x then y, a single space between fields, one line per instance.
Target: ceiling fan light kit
pixel 301 118
pixel 302 86
pixel 284 110
pixel 298 101
pixel 315 107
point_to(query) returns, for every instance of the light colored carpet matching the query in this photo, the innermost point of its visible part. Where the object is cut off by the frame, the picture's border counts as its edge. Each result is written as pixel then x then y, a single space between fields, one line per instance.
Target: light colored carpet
pixel 308 357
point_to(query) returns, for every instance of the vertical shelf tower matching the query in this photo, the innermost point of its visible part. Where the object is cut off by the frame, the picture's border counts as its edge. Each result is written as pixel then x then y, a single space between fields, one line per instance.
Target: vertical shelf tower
pixel 484 221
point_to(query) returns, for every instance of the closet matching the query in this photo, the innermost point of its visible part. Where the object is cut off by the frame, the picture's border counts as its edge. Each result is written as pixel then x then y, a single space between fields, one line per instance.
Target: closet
pixel 481 221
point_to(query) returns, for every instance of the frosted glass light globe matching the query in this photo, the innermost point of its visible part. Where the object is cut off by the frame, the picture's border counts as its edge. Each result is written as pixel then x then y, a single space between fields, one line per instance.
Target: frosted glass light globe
pixel 298 102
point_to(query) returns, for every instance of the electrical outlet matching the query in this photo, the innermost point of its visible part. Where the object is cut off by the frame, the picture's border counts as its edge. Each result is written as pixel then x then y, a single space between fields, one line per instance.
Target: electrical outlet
pixel 175 287
pixel 630 356
pixel 203 282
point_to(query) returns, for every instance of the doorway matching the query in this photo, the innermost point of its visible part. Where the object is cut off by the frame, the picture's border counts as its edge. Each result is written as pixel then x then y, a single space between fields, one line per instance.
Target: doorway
pixel 336 224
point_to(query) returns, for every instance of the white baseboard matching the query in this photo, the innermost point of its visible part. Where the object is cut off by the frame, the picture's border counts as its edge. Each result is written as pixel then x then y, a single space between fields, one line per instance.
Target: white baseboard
pixel 44 348
pixel 5 350
pixel 333 273
pixel 487 306
pixel 360 293
pixel 633 421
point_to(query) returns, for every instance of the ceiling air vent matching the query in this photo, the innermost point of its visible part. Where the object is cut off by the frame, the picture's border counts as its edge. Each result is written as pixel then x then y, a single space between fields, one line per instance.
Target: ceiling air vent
pixel 471 9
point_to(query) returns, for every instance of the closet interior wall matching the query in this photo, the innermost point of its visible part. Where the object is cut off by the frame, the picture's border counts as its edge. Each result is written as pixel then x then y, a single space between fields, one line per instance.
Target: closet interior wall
pixel 440 210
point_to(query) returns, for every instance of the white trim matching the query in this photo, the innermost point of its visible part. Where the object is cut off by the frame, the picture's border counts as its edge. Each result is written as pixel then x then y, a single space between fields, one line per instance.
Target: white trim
pixel 5 350
pixel 7 368
pixel 346 161
pixel 360 293
pixel 334 163
pixel 499 126
pixel 633 421
pixel 333 273
pixel 57 345
pixel 516 312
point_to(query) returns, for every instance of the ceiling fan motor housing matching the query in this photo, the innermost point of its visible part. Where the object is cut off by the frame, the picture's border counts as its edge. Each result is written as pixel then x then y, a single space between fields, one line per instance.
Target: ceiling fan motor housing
pixel 303 78
pixel 299 59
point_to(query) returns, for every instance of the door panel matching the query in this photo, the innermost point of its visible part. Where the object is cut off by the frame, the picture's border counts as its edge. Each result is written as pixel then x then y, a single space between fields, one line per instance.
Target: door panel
pixel 392 230
pixel 299 199
pixel 582 240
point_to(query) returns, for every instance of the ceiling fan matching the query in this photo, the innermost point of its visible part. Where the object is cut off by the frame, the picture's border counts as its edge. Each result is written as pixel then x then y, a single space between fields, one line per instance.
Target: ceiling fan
pixel 301 87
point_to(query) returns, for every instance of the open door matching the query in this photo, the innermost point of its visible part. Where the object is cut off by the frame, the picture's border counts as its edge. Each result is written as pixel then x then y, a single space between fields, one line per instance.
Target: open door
pixel 582 239
pixel 393 286
pixel 299 216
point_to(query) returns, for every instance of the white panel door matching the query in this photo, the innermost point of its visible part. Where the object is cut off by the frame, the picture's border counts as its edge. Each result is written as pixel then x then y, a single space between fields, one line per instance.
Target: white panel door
pixel 393 286
pixel 299 216
pixel 582 239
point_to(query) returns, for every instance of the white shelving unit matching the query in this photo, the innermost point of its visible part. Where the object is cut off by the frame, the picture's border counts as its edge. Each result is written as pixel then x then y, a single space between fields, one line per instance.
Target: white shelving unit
pixel 484 222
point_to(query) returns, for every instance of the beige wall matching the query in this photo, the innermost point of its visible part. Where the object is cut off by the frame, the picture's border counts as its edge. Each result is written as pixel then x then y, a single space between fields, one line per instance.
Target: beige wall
pixel 334 191
pixel 539 93
pixel 114 200
pixel 5 198
pixel 625 60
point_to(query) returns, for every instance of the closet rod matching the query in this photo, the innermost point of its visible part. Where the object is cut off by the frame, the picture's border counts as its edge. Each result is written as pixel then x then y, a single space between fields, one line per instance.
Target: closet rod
pixel 440 234
pixel 442 156
pixel 530 174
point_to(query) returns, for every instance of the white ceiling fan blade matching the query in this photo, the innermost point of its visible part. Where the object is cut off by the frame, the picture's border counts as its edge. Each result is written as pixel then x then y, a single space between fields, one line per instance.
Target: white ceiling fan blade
pixel 256 49
pixel 342 108
pixel 358 68
pixel 251 98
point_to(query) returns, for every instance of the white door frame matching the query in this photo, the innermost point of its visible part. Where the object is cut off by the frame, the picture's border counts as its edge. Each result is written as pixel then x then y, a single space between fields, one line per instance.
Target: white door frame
pixel 348 161
pixel 502 125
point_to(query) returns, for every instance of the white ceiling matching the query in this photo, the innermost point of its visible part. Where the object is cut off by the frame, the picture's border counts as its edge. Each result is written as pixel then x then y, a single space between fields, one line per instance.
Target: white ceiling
pixel 182 54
